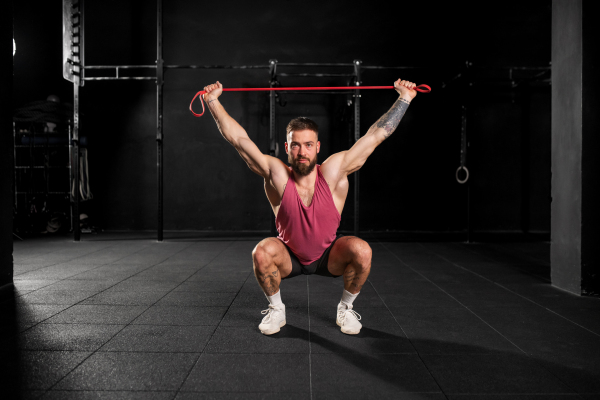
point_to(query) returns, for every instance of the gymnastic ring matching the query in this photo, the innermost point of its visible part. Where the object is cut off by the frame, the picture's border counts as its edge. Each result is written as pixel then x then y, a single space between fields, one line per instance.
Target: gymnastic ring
pixel 466 177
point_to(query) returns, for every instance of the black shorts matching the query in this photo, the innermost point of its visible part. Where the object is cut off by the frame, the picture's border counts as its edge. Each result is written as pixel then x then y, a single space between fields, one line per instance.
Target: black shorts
pixel 318 267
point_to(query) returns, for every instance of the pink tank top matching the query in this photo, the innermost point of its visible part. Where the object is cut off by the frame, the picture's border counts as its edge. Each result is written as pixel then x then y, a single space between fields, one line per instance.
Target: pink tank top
pixel 308 231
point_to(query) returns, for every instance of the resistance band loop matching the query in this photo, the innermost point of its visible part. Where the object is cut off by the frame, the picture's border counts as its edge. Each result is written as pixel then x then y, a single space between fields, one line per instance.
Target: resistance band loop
pixel 420 88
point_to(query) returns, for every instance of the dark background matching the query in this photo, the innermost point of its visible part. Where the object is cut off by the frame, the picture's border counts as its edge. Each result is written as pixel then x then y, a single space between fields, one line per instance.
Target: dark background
pixel 408 183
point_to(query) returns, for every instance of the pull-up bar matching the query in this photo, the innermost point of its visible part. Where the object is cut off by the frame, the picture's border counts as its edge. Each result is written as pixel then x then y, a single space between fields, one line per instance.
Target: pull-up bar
pixel 419 88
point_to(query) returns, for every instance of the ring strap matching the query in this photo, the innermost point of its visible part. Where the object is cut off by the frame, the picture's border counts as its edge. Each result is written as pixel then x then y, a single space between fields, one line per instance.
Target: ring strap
pixel 420 88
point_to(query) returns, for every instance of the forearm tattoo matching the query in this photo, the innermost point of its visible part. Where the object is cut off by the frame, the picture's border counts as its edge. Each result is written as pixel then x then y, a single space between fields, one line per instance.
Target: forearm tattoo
pixel 390 120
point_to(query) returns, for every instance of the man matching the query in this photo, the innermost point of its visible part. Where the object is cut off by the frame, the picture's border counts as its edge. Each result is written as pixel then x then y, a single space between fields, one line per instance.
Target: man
pixel 308 200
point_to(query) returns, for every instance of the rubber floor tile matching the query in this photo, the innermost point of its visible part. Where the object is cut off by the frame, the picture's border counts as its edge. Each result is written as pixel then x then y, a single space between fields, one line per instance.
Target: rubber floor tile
pixel 581 374
pixel 177 277
pixel 242 396
pixel 119 298
pixel 130 371
pixel 500 374
pixel 67 297
pixel 97 314
pixel 242 339
pixel 429 298
pixel 107 395
pixel 144 286
pixel 175 315
pixel 381 340
pixel 485 295
pixel 210 287
pixel 199 299
pixel 37 312
pixel 160 338
pixel 545 396
pixel 80 337
pixel 449 331
pixel 92 285
pixel 250 373
pixel 373 396
pixel 30 369
pixel 382 375
pixel 201 275
pixel 252 317
pixel 32 284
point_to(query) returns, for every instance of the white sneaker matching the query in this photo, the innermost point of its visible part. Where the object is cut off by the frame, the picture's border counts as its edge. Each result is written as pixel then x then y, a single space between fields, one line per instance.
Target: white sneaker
pixel 348 319
pixel 274 319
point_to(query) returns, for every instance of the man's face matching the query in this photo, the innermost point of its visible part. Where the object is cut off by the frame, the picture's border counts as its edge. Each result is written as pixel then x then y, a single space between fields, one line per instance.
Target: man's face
pixel 302 148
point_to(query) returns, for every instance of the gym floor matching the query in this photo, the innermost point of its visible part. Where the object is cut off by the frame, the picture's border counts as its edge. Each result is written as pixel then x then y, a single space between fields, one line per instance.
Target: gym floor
pixel 120 316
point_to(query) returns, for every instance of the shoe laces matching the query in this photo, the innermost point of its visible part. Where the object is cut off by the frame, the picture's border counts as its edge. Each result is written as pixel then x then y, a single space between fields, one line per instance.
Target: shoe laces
pixel 269 311
pixel 343 314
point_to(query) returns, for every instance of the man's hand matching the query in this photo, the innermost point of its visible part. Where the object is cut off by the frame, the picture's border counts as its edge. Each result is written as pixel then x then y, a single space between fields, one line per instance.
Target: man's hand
pixel 212 92
pixel 405 89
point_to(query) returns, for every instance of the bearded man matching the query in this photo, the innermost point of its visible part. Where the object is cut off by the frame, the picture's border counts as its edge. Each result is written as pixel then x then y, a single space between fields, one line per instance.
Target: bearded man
pixel 307 200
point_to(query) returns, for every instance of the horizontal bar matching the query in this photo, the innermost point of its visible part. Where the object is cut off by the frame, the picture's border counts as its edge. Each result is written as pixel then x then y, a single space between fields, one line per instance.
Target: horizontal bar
pixel 379 67
pixel 316 75
pixel 507 68
pixel 316 64
pixel 216 66
pixel 42 167
pixel 63 193
pixel 118 66
pixel 41 145
pixel 123 78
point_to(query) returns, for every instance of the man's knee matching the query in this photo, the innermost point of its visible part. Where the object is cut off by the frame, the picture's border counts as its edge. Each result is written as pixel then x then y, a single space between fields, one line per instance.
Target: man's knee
pixel 361 253
pixel 264 254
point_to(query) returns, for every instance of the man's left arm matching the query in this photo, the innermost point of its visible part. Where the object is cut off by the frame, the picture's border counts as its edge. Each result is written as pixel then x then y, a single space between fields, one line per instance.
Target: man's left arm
pixel 355 158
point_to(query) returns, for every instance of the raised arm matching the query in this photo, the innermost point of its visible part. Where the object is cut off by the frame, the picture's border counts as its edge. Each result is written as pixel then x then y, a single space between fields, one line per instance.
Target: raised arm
pixel 258 162
pixel 352 160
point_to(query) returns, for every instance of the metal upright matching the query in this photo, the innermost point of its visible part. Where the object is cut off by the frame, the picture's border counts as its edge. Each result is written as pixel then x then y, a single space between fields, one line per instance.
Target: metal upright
pixel 159 119
pixel 272 127
pixel 357 65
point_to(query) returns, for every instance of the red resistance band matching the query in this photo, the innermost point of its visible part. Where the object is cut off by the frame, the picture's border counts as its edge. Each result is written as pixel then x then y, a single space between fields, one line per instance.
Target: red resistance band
pixel 420 88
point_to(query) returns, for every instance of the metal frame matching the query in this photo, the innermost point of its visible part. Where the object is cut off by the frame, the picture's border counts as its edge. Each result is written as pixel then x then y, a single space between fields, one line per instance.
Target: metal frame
pixel 78 76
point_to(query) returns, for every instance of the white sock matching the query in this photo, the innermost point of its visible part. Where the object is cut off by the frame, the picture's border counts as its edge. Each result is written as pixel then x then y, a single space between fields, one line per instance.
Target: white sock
pixel 275 300
pixel 348 298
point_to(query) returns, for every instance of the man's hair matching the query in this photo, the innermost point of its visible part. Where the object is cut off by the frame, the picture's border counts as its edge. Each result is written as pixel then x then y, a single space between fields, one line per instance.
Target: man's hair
pixel 301 124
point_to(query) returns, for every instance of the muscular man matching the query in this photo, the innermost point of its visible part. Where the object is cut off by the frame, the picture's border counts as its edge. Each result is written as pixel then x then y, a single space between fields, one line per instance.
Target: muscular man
pixel 308 199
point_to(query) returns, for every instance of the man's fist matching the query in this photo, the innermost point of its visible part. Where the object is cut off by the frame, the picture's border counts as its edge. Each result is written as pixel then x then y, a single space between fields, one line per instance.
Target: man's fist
pixel 406 89
pixel 212 91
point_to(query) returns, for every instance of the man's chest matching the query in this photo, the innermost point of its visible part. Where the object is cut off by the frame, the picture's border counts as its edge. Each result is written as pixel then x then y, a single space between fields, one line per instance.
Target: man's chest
pixel 306 195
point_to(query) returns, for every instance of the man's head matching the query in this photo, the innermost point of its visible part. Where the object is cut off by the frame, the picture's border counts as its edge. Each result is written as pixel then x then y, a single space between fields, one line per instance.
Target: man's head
pixel 302 145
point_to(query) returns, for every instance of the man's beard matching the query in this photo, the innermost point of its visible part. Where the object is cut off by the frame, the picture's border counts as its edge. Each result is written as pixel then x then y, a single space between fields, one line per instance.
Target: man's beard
pixel 302 169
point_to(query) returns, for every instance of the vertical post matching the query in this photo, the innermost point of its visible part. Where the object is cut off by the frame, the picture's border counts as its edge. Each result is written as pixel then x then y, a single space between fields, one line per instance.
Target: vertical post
pixel 159 118
pixel 75 158
pixel 463 164
pixel 357 82
pixel 78 63
pixel 525 98
pixel 272 126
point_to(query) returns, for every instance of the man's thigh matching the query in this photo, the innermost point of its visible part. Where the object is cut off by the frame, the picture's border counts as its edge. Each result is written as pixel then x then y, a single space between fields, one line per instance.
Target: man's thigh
pixel 343 253
pixel 280 254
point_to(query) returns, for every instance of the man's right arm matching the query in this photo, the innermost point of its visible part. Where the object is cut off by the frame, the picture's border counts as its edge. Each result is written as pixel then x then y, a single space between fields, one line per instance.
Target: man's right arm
pixel 258 162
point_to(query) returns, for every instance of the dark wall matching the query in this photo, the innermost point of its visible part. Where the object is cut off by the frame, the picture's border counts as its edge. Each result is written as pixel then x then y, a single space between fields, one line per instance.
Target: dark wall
pixel 407 184
pixel 6 148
